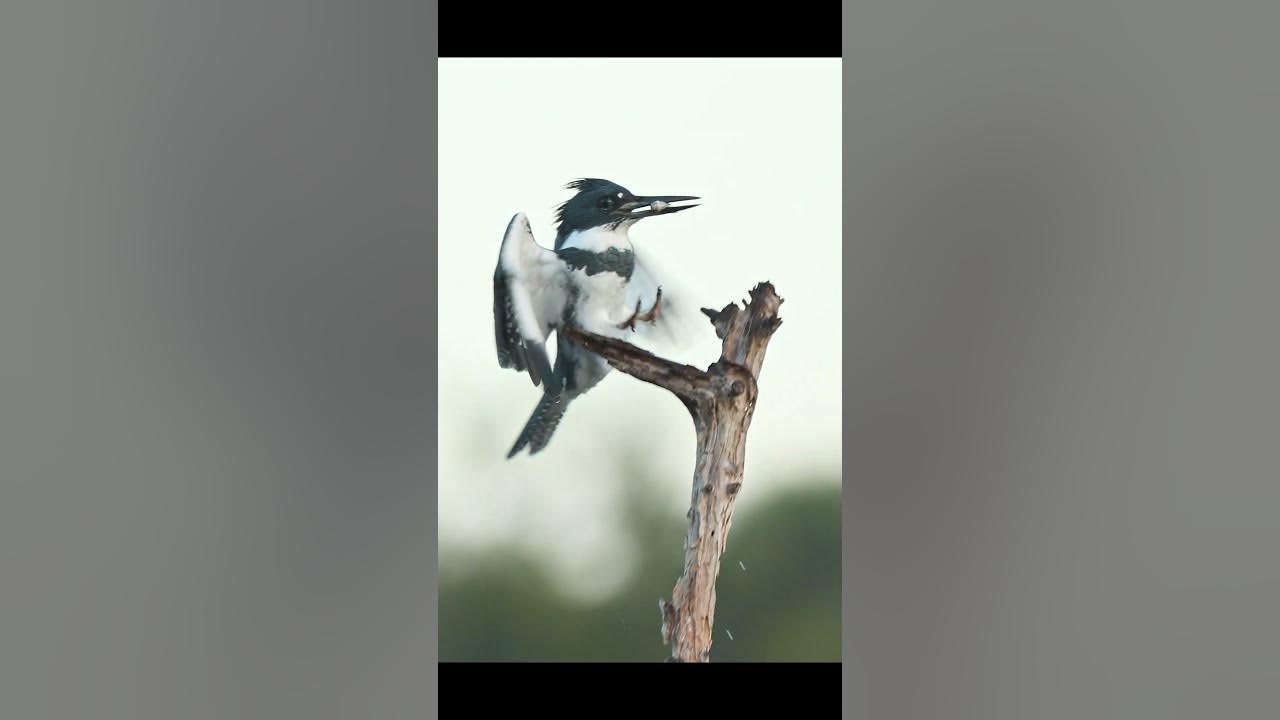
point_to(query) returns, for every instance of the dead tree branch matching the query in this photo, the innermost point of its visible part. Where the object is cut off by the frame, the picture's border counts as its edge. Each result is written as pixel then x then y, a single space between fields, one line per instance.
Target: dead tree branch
pixel 721 401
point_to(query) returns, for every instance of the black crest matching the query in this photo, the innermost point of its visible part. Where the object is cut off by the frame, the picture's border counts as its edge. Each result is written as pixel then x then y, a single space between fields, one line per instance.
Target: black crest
pixel 595 204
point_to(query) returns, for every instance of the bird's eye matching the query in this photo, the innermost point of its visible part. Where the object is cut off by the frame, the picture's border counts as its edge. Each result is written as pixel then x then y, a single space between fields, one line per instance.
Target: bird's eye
pixel 605 203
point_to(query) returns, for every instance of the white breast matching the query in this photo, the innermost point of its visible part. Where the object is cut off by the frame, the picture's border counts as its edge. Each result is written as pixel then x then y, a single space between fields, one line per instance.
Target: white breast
pixel 602 297
pixel 601 303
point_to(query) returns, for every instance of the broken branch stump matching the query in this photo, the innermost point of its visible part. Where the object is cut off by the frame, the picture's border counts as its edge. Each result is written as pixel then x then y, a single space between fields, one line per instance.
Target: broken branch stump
pixel 721 400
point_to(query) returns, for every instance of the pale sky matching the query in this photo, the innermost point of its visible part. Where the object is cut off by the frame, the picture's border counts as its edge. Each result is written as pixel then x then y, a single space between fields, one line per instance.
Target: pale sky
pixel 759 141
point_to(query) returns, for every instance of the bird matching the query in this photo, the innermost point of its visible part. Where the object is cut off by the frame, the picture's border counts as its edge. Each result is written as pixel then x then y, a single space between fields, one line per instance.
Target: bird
pixel 591 280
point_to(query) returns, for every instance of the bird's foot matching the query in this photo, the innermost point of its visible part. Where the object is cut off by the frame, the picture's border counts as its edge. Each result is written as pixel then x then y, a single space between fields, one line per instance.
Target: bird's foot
pixel 630 323
pixel 650 317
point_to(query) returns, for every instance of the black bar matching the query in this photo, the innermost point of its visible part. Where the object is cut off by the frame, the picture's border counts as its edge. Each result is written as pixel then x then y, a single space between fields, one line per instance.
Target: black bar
pixel 813 689
pixel 644 29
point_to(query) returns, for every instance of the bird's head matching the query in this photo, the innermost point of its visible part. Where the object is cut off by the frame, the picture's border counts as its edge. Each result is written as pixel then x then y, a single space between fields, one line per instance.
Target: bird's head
pixel 603 203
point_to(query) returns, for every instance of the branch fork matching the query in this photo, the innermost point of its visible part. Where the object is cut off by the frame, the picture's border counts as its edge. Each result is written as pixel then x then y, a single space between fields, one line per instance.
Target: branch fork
pixel 721 401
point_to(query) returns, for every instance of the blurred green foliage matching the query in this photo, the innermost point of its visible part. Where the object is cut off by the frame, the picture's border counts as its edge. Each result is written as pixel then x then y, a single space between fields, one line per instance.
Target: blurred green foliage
pixel 785 606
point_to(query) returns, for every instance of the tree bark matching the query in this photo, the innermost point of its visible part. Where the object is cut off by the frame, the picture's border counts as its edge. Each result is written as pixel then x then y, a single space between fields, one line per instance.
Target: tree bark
pixel 721 401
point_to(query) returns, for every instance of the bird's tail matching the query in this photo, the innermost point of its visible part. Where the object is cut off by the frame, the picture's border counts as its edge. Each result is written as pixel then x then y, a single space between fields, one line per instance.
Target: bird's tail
pixel 537 432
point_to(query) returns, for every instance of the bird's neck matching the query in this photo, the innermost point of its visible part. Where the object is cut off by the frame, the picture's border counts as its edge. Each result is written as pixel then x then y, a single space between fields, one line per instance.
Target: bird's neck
pixel 597 239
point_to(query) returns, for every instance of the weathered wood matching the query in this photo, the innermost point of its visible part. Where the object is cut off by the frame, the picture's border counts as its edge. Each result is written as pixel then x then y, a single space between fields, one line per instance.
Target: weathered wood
pixel 721 401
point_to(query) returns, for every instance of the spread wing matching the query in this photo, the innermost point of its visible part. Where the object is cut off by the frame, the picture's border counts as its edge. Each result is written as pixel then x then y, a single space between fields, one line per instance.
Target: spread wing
pixel 529 295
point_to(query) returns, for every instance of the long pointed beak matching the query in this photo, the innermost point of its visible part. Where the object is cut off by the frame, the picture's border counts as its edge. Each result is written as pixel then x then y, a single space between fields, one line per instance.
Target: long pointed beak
pixel 644 207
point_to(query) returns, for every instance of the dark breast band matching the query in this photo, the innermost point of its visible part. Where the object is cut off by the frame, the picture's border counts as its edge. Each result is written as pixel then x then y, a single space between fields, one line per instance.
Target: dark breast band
pixel 614 260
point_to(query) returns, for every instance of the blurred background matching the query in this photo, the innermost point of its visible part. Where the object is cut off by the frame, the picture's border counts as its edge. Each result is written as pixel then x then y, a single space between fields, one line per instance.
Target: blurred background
pixel 216 361
pixel 1062 477
pixel 778 595
pixel 564 555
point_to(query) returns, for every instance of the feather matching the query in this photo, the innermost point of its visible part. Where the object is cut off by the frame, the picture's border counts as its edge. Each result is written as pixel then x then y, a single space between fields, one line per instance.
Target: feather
pixel 530 290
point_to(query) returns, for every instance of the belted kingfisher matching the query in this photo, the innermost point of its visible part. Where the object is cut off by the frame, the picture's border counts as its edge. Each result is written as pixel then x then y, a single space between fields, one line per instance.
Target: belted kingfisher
pixel 591 281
